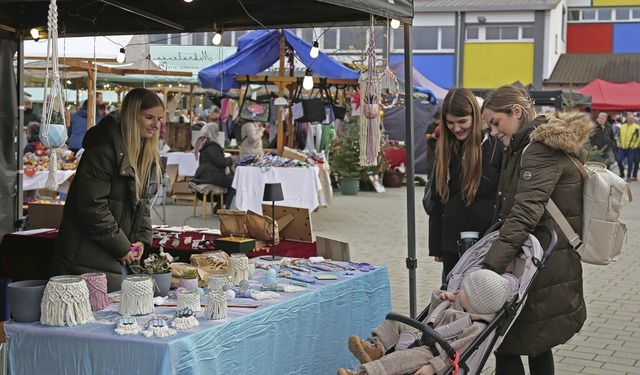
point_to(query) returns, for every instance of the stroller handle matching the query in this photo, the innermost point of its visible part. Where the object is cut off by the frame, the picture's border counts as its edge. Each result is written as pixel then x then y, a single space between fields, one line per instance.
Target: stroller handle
pixel 553 237
pixel 426 330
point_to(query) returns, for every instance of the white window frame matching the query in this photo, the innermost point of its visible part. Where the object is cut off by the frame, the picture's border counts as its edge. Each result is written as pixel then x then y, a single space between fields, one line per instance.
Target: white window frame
pixel 342 50
pixel 613 18
pixel 482 33
pixel 438 49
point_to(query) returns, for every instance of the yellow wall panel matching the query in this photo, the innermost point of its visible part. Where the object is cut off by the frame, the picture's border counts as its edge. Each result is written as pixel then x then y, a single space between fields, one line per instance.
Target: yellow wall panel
pixel 613 3
pixel 489 65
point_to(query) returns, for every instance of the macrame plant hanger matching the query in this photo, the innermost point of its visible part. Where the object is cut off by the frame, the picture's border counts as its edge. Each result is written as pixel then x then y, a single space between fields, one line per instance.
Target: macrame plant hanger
pixel 53 132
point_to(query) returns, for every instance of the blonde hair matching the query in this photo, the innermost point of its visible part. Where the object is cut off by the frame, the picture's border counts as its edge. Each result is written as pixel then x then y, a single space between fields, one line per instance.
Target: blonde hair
pixel 142 152
pixel 460 102
pixel 505 97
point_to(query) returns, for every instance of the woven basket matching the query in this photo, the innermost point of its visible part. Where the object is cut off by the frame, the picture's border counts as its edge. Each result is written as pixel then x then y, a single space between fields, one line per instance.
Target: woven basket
pixel 392 179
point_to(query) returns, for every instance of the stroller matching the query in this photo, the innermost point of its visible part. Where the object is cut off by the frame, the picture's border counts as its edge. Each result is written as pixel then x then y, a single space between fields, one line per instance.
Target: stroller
pixel 525 267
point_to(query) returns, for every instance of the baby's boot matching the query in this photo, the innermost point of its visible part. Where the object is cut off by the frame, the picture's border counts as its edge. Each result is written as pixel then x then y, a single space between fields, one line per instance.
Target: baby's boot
pixel 365 350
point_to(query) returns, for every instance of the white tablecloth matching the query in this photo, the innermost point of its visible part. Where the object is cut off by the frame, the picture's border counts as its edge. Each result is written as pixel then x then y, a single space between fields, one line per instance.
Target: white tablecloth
pixel 39 180
pixel 300 187
pixel 186 161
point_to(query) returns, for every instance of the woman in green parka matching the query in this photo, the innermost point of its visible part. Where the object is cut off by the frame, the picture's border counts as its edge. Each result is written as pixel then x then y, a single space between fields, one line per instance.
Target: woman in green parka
pixel 536 167
pixel 106 221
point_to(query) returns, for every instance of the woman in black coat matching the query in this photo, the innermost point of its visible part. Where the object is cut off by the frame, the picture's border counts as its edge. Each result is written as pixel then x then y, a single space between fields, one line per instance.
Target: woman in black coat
pixel 466 178
pixel 213 164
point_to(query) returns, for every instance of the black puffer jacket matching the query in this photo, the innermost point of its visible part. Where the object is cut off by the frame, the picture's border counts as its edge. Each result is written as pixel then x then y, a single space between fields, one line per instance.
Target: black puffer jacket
pixel 101 216
pixel 555 308
pixel 212 165
pixel 448 219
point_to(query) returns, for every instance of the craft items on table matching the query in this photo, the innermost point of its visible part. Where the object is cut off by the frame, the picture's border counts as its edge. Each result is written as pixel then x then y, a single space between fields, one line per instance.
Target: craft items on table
pixel 216 305
pixel 238 268
pixel 185 318
pixel 271 277
pixel 217 281
pixel 127 325
pixel 158 327
pixel 268 161
pixel 137 295
pixel 189 299
pixel 65 302
pixel 97 285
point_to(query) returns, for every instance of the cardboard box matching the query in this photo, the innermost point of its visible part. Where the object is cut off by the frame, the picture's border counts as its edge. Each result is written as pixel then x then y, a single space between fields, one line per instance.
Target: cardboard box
pixel 235 244
pixel 45 215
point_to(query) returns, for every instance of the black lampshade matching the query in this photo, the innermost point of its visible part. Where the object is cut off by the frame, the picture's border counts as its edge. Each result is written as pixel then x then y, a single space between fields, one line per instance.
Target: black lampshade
pixel 272 192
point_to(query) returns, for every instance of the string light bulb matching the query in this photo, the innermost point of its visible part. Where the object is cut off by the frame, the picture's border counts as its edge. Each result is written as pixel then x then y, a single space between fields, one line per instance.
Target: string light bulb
pixel 217 37
pixel 307 82
pixel 315 50
pixel 188 1
pixel 35 34
pixel 121 56
pixel 395 24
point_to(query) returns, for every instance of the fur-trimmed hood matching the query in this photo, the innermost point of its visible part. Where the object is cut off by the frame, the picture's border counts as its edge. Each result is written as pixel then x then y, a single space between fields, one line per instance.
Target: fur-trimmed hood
pixel 567 131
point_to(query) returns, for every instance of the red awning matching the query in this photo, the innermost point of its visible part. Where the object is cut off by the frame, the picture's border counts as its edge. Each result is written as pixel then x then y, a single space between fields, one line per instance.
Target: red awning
pixel 609 96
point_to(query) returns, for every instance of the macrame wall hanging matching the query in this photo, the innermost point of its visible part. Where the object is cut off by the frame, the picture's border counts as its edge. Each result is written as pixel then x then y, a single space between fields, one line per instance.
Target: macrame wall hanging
pixel 371 83
pixel 53 132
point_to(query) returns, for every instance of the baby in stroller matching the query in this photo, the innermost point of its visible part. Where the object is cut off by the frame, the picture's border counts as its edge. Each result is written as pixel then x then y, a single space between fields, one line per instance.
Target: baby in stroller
pixel 394 347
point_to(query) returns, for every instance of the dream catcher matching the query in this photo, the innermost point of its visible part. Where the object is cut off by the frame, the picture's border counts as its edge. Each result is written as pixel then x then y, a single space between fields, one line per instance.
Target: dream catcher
pixel 53 132
pixel 371 83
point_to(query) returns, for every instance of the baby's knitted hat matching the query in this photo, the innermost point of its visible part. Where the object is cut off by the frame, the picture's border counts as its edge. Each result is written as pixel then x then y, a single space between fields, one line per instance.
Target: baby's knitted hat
pixel 487 291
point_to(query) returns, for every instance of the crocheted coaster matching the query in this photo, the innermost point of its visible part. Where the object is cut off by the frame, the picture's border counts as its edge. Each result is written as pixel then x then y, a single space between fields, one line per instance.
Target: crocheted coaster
pixel 65 302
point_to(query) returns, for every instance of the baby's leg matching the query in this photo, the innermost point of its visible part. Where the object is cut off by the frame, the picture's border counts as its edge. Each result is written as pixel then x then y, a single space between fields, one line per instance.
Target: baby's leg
pixel 400 362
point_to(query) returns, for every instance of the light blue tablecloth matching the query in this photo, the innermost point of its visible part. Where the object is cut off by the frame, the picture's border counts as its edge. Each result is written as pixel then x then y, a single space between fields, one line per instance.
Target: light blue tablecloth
pixel 299 333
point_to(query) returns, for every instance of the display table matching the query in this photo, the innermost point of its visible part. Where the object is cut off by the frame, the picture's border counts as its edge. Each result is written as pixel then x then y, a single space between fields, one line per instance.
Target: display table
pixel 300 186
pixel 186 162
pixel 298 333
pixel 39 180
pixel 28 255
pixel 395 156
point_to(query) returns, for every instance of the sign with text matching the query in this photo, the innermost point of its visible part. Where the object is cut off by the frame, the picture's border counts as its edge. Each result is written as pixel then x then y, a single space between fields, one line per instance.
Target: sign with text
pixel 188 58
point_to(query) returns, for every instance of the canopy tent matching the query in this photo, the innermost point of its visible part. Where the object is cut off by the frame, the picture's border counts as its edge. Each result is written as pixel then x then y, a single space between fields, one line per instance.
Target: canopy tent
pixel 419 80
pixel 259 50
pixel 109 17
pixel 609 96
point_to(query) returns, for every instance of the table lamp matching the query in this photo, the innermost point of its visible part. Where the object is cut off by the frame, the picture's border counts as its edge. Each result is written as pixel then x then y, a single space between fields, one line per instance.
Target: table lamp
pixel 273 193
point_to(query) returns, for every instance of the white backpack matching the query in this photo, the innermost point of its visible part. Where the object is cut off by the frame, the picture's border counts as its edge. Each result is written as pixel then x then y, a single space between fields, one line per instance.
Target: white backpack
pixel 603 197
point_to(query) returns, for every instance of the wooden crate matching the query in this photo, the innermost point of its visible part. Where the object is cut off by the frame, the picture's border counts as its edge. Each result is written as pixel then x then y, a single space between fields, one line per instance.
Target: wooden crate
pixel 179 136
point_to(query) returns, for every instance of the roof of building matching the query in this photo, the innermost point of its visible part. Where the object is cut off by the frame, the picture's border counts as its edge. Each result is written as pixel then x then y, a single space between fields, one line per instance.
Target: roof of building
pixel 582 68
pixel 482 5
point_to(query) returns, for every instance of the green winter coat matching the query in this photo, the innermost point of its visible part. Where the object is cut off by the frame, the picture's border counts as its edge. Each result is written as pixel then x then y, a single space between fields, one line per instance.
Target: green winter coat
pixel 555 308
pixel 101 216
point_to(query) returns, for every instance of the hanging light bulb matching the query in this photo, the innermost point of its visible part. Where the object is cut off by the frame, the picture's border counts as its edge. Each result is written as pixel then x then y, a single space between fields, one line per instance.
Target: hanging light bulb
pixel 121 56
pixel 395 24
pixel 315 51
pixel 35 34
pixel 217 38
pixel 307 82
pixel 188 1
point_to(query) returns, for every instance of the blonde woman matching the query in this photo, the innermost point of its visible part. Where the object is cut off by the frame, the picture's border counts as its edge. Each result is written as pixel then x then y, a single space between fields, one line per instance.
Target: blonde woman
pixel 106 221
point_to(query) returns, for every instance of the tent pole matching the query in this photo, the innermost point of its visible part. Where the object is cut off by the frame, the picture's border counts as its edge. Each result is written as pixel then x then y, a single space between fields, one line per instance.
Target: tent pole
pixel 280 136
pixel 411 261
pixel 20 131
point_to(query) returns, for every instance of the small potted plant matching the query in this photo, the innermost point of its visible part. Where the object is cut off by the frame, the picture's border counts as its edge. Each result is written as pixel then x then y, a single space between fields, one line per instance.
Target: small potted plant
pixel 189 279
pixel 158 267
pixel 345 159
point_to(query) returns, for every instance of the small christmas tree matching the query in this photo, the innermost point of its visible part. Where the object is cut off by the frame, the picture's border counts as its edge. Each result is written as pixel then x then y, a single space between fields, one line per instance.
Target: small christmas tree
pixel 345 156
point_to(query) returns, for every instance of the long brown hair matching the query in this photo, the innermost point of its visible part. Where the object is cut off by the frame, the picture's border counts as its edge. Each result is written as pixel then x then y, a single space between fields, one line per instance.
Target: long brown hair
pixel 505 97
pixel 142 152
pixel 460 102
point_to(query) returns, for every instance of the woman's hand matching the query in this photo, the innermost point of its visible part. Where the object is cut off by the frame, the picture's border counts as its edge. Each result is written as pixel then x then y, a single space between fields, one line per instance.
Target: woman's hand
pixel 129 258
pixel 138 253
pixel 438 259
pixel 426 370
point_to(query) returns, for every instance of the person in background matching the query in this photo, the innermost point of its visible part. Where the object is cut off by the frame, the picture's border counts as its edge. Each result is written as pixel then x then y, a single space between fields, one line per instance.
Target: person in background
pixel 106 222
pixel 213 164
pixel 78 127
pixel 537 166
pixel 29 114
pixel 603 139
pixel 431 138
pixel 628 141
pixel 33 138
pixel 250 139
pixel 465 179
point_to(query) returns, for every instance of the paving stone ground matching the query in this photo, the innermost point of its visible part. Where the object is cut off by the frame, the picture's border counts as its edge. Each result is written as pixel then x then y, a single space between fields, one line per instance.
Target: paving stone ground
pixel 375 225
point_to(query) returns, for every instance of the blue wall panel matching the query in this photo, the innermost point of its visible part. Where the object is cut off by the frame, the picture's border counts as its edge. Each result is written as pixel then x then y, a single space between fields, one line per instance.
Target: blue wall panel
pixel 626 38
pixel 440 69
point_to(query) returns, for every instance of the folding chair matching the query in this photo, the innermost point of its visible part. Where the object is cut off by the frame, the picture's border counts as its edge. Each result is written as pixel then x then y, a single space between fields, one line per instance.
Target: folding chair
pixel 159 192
